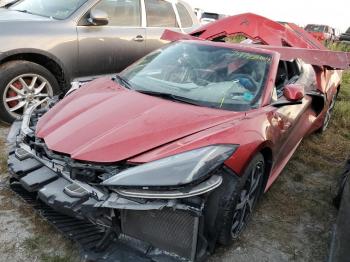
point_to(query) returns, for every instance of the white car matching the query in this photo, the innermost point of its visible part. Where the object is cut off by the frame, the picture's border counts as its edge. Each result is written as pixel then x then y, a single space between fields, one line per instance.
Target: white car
pixel 6 2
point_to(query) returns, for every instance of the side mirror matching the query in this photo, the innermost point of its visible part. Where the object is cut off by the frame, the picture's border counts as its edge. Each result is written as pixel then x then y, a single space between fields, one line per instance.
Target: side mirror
pixel 98 17
pixel 294 92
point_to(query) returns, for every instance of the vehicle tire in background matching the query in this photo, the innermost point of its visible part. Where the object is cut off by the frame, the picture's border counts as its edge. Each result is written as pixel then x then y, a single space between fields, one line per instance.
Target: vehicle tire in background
pixel 242 202
pixel 344 178
pixel 23 83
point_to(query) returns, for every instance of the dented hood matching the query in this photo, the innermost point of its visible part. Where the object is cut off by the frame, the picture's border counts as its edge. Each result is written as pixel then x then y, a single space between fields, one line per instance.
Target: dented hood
pixel 104 122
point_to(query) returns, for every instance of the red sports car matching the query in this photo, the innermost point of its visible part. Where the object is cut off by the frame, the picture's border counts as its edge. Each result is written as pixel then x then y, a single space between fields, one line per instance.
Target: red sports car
pixel 170 156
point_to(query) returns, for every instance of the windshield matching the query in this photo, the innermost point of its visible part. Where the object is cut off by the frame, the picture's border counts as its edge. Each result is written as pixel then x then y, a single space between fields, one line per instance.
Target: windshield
pixel 57 9
pixel 315 28
pixel 202 74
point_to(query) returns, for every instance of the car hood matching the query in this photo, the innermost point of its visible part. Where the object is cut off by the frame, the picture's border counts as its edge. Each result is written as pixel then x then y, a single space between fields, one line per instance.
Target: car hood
pixel 7 15
pixel 104 122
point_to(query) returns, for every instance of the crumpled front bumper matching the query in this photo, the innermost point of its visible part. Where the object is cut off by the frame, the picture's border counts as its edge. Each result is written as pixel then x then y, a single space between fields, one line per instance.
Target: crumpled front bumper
pixel 169 231
pixel 136 229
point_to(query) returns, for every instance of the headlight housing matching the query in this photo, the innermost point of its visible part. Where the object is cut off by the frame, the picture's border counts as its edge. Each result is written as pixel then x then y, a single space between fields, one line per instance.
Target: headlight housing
pixel 177 170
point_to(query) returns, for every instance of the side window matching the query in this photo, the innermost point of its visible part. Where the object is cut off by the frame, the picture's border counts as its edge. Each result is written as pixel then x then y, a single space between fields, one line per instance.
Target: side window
pixel 293 71
pixel 282 75
pixel 160 14
pixel 185 17
pixel 287 73
pixel 121 12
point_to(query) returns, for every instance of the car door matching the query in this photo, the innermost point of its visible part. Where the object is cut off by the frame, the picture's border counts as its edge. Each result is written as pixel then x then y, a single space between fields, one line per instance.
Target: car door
pixel 290 122
pixel 160 15
pixel 110 48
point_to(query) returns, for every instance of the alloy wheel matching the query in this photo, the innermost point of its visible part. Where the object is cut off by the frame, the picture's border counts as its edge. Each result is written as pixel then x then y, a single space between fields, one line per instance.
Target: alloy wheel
pixel 23 91
pixel 247 200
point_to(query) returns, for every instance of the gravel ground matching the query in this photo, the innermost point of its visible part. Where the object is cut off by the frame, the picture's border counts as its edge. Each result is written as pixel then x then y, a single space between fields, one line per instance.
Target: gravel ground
pixel 292 223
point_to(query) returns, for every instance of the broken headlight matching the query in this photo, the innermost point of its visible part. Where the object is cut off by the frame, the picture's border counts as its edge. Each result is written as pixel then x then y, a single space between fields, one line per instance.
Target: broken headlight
pixel 177 170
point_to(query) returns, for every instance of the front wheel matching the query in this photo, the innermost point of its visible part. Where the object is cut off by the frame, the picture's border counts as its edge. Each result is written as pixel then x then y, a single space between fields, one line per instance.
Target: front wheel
pixel 243 201
pixel 22 84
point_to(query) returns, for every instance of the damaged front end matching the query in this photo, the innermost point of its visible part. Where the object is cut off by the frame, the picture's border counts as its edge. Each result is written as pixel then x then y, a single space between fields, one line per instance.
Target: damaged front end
pixel 166 210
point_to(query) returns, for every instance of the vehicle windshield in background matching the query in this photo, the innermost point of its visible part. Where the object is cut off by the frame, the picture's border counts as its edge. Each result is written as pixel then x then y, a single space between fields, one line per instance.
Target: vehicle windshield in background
pixel 202 74
pixel 57 9
pixel 210 16
pixel 315 28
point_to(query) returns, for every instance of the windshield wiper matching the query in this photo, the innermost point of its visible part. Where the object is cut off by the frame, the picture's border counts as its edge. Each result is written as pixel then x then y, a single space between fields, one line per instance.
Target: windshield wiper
pixel 31 13
pixel 123 81
pixel 23 11
pixel 171 97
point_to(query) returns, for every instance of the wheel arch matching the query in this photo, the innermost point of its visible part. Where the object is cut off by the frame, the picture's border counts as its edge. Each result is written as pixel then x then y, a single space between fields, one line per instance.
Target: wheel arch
pixel 45 59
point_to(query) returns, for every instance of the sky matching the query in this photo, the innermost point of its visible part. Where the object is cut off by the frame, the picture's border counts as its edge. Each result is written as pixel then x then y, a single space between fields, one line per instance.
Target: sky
pixel 334 13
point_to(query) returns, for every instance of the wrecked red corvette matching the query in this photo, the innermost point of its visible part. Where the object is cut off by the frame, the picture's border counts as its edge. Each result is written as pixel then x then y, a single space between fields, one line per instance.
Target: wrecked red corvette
pixel 169 158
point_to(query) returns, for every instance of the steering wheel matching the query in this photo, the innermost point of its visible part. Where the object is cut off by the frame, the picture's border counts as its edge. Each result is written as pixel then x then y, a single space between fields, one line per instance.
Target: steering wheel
pixel 247 81
pixel 188 68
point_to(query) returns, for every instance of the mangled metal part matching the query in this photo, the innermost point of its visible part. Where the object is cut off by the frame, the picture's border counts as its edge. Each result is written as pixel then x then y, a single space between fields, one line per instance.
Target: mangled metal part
pixel 260 29
pixel 50 183
pixel 322 58
pixel 289 40
pixel 316 57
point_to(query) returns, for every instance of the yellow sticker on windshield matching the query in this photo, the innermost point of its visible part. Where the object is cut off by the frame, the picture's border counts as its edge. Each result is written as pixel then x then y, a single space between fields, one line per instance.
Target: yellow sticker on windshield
pixel 251 56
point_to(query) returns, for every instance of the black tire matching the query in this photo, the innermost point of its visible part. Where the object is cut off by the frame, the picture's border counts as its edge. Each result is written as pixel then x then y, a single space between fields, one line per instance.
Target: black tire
pixel 344 179
pixel 329 114
pixel 228 233
pixel 338 197
pixel 13 69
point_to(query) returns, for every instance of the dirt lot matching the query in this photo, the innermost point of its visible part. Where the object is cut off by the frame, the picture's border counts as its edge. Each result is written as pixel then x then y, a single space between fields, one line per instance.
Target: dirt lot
pixel 292 223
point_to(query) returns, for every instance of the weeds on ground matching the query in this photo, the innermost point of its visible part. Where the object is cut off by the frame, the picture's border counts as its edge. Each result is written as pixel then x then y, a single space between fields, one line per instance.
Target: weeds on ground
pixel 339 46
pixel 329 151
pixel 235 39
pixel 3 157
pixel 41 246
pixel 34 243
pixel 49 258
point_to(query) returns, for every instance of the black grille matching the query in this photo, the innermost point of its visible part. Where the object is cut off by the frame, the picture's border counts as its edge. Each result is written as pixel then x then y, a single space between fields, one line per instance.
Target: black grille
pixel 84 233
pixel 174 231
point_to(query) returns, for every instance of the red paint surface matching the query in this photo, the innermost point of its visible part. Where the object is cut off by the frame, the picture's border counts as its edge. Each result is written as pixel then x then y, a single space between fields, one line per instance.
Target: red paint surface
pixel 104 122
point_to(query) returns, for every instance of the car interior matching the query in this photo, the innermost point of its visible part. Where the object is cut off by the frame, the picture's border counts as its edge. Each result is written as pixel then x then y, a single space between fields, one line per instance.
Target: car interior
pixel 288 72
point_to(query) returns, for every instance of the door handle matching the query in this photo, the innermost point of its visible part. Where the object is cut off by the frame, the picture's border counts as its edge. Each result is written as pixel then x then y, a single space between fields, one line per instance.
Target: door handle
pixel 138 38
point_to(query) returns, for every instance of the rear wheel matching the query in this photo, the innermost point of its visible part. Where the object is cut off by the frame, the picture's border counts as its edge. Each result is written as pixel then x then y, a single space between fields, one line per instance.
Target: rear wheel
pixel 22 84
pixel 243 201
pixel 329 113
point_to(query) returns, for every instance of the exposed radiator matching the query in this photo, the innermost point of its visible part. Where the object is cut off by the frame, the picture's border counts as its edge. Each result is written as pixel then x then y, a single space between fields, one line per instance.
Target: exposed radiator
pixel 171 230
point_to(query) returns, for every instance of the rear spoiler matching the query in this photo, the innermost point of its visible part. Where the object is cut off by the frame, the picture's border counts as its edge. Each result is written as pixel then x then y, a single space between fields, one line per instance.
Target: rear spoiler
pixel 316 57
